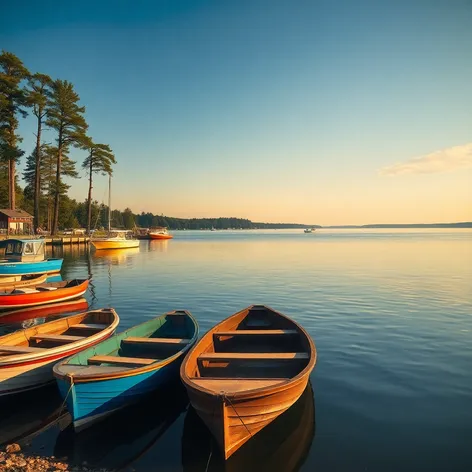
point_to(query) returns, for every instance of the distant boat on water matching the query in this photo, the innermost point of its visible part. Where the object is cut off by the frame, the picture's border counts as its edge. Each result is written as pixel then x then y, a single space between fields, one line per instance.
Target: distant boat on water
pixel 159 233
pixel 309 230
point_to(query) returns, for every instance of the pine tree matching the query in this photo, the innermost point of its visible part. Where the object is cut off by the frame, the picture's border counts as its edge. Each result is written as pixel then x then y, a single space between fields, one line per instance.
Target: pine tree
pixel 38 92
pixel 100 159
pixel 66 117
pixel 12 103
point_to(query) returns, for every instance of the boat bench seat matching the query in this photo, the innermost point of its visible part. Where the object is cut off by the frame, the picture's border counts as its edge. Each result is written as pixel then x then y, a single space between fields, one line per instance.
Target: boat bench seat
pixel 257 332
pixel 57 338
pixel 233 385
pixel 89 326
pixel 154 341
pixel 252 356
pixel 125 361
pixel 25 290
pixel 20 349
pixel 45 289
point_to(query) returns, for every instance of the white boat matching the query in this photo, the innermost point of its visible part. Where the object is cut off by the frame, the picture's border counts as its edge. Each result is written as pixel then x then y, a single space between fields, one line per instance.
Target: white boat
pixel 307 230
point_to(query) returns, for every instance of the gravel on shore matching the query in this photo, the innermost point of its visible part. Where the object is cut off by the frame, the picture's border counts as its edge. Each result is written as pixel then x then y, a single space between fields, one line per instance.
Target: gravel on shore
pixel 12 460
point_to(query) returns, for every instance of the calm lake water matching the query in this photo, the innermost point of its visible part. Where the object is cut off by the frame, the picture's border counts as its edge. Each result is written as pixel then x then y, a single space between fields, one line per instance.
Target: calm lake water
pixel 391 316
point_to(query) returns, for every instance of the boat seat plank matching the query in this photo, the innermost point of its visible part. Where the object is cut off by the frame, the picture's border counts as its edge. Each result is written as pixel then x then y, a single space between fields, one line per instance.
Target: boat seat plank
pixel 20 349
pixel 257 332
pixel 136 340
pixel 131 361
pixel 60 338
pixel 97 327
pixel 25 290
pixel 234 385
pixel 252 356
pixel 45 289
pixel 91 369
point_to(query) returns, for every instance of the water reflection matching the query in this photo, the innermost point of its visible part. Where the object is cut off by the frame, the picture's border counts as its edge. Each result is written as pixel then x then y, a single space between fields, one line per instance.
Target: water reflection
pixel 26 415
pixel 115 256
pixel 282 446
pixel 23 318
pixel 123 437
pixel 157 245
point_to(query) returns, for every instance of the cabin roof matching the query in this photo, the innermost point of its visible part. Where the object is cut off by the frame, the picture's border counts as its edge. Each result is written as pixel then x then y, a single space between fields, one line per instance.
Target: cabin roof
pixel 24 240
pixel 16 213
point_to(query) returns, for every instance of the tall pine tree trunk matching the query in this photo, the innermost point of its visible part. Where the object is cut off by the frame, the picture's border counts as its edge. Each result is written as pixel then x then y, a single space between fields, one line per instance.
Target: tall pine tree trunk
pixel 37 177
pixel 55 221
pixel 11 183
pixel 89 217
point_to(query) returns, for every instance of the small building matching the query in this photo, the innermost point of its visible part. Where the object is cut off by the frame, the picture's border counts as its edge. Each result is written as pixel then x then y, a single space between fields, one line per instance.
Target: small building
pixel 16 222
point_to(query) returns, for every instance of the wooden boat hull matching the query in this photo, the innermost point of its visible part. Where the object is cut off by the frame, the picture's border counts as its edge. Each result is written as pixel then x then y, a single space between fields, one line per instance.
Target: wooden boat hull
pixel 48 266
pixel 36 297
pixel 23 372
pixel 23 281
pixel 110 244
pixel 160 236
pixel 98 391
pixel 236 402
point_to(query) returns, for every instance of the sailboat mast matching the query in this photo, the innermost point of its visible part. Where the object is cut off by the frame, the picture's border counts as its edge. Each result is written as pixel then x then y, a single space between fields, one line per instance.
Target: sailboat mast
pixel 109 202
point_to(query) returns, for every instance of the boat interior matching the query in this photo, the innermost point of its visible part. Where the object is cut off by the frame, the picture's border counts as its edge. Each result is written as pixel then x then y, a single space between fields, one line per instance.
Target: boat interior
pixel 255 345
pixel 142 345
pixel 47 287
pixel 56 333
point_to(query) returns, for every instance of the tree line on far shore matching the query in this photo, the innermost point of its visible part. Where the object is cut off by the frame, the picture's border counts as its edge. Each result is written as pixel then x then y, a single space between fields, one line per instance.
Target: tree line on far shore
pixel 54 105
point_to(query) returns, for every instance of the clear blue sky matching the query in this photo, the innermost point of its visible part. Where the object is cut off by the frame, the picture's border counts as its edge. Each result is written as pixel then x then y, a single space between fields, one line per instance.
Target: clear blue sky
pixel 300 111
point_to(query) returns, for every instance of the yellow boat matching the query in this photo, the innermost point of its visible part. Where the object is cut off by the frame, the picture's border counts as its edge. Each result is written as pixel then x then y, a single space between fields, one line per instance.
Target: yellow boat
pixel 115 240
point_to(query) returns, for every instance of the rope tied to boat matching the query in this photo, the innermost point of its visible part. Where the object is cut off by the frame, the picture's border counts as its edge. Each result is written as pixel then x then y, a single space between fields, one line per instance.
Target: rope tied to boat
pixel 225 397
pixel 70 389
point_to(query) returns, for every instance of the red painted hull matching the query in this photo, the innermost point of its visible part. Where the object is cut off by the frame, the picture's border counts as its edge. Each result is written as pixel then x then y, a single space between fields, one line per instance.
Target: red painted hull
pixel 20 300
pixel 160 236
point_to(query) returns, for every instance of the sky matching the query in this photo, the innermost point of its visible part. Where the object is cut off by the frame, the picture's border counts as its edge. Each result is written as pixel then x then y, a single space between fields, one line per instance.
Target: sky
pixel 318 112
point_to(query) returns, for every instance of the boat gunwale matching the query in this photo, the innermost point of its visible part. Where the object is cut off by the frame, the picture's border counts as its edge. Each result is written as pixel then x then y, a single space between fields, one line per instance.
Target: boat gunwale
pixel 51 353
pixel 248 393
pixel 86 378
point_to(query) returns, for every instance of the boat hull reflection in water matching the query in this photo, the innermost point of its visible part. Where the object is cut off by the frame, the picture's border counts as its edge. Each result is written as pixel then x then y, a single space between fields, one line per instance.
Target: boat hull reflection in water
pixel 282 446
pixel 123 438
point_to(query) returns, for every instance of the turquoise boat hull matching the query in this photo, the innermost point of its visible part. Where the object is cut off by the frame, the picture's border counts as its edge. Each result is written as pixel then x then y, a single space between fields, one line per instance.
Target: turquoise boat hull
pixel 93 397
pixel 48 266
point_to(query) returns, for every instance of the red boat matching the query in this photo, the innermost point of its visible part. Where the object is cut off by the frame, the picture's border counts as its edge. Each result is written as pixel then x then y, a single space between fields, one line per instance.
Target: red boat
pixel 159 233
pixel 49 292
pixel 43 311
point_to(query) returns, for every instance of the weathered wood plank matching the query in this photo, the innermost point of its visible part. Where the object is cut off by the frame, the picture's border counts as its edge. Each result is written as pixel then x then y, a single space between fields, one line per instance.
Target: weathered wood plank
pixel 60 338
pixel 132 361
pixel 256 356
pixel 97 327
pixel 136 340
pixel 257 332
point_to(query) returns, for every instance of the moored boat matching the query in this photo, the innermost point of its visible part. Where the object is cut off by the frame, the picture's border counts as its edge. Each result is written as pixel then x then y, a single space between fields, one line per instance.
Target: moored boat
pixel 26 257
pixel 126 367
pixel 159 233
pixel 42 294
pixel 116 239
pixel 246 371
pixel 22 281
pixel 27 356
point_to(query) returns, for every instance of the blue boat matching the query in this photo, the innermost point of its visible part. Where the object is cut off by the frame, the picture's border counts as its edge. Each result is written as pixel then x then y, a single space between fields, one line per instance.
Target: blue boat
pixel 26 256
pixel 126 367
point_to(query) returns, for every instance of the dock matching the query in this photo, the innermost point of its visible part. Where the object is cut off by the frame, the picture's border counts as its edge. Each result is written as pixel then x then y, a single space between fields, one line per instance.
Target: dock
pixel 54 241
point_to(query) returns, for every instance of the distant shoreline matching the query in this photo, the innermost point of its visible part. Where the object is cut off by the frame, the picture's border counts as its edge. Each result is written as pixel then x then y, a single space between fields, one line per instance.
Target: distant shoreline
pixel 467 224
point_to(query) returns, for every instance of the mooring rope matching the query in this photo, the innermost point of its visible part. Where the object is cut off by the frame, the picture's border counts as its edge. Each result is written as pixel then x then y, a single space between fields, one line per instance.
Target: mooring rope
pixel 70 388
pixel 232 406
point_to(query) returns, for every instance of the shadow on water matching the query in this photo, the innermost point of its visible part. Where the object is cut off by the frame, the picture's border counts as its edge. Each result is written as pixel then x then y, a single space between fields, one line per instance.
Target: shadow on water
pixel 122 438
pixel 281 446
pixel 24 416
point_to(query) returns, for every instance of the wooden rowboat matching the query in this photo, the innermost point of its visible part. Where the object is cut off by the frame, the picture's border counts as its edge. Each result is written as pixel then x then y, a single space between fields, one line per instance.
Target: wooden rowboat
pixel 49 292
pixel 27 356
pixel 246 371
pixel 126 367
pixel 22 281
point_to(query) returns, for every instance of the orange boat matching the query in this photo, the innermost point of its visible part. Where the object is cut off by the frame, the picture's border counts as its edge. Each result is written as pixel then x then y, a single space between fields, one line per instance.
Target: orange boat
pixel 245 372
pixel 159 233
pixel 49 292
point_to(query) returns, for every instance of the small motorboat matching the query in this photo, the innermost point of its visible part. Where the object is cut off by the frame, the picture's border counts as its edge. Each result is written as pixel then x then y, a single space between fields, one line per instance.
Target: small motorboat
pixel 42 294
pixel 116 239
pixel 126 367
pixel 22 281
pixel 159 233
pixel 27 356
pixel 245 372
pixel 26 257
